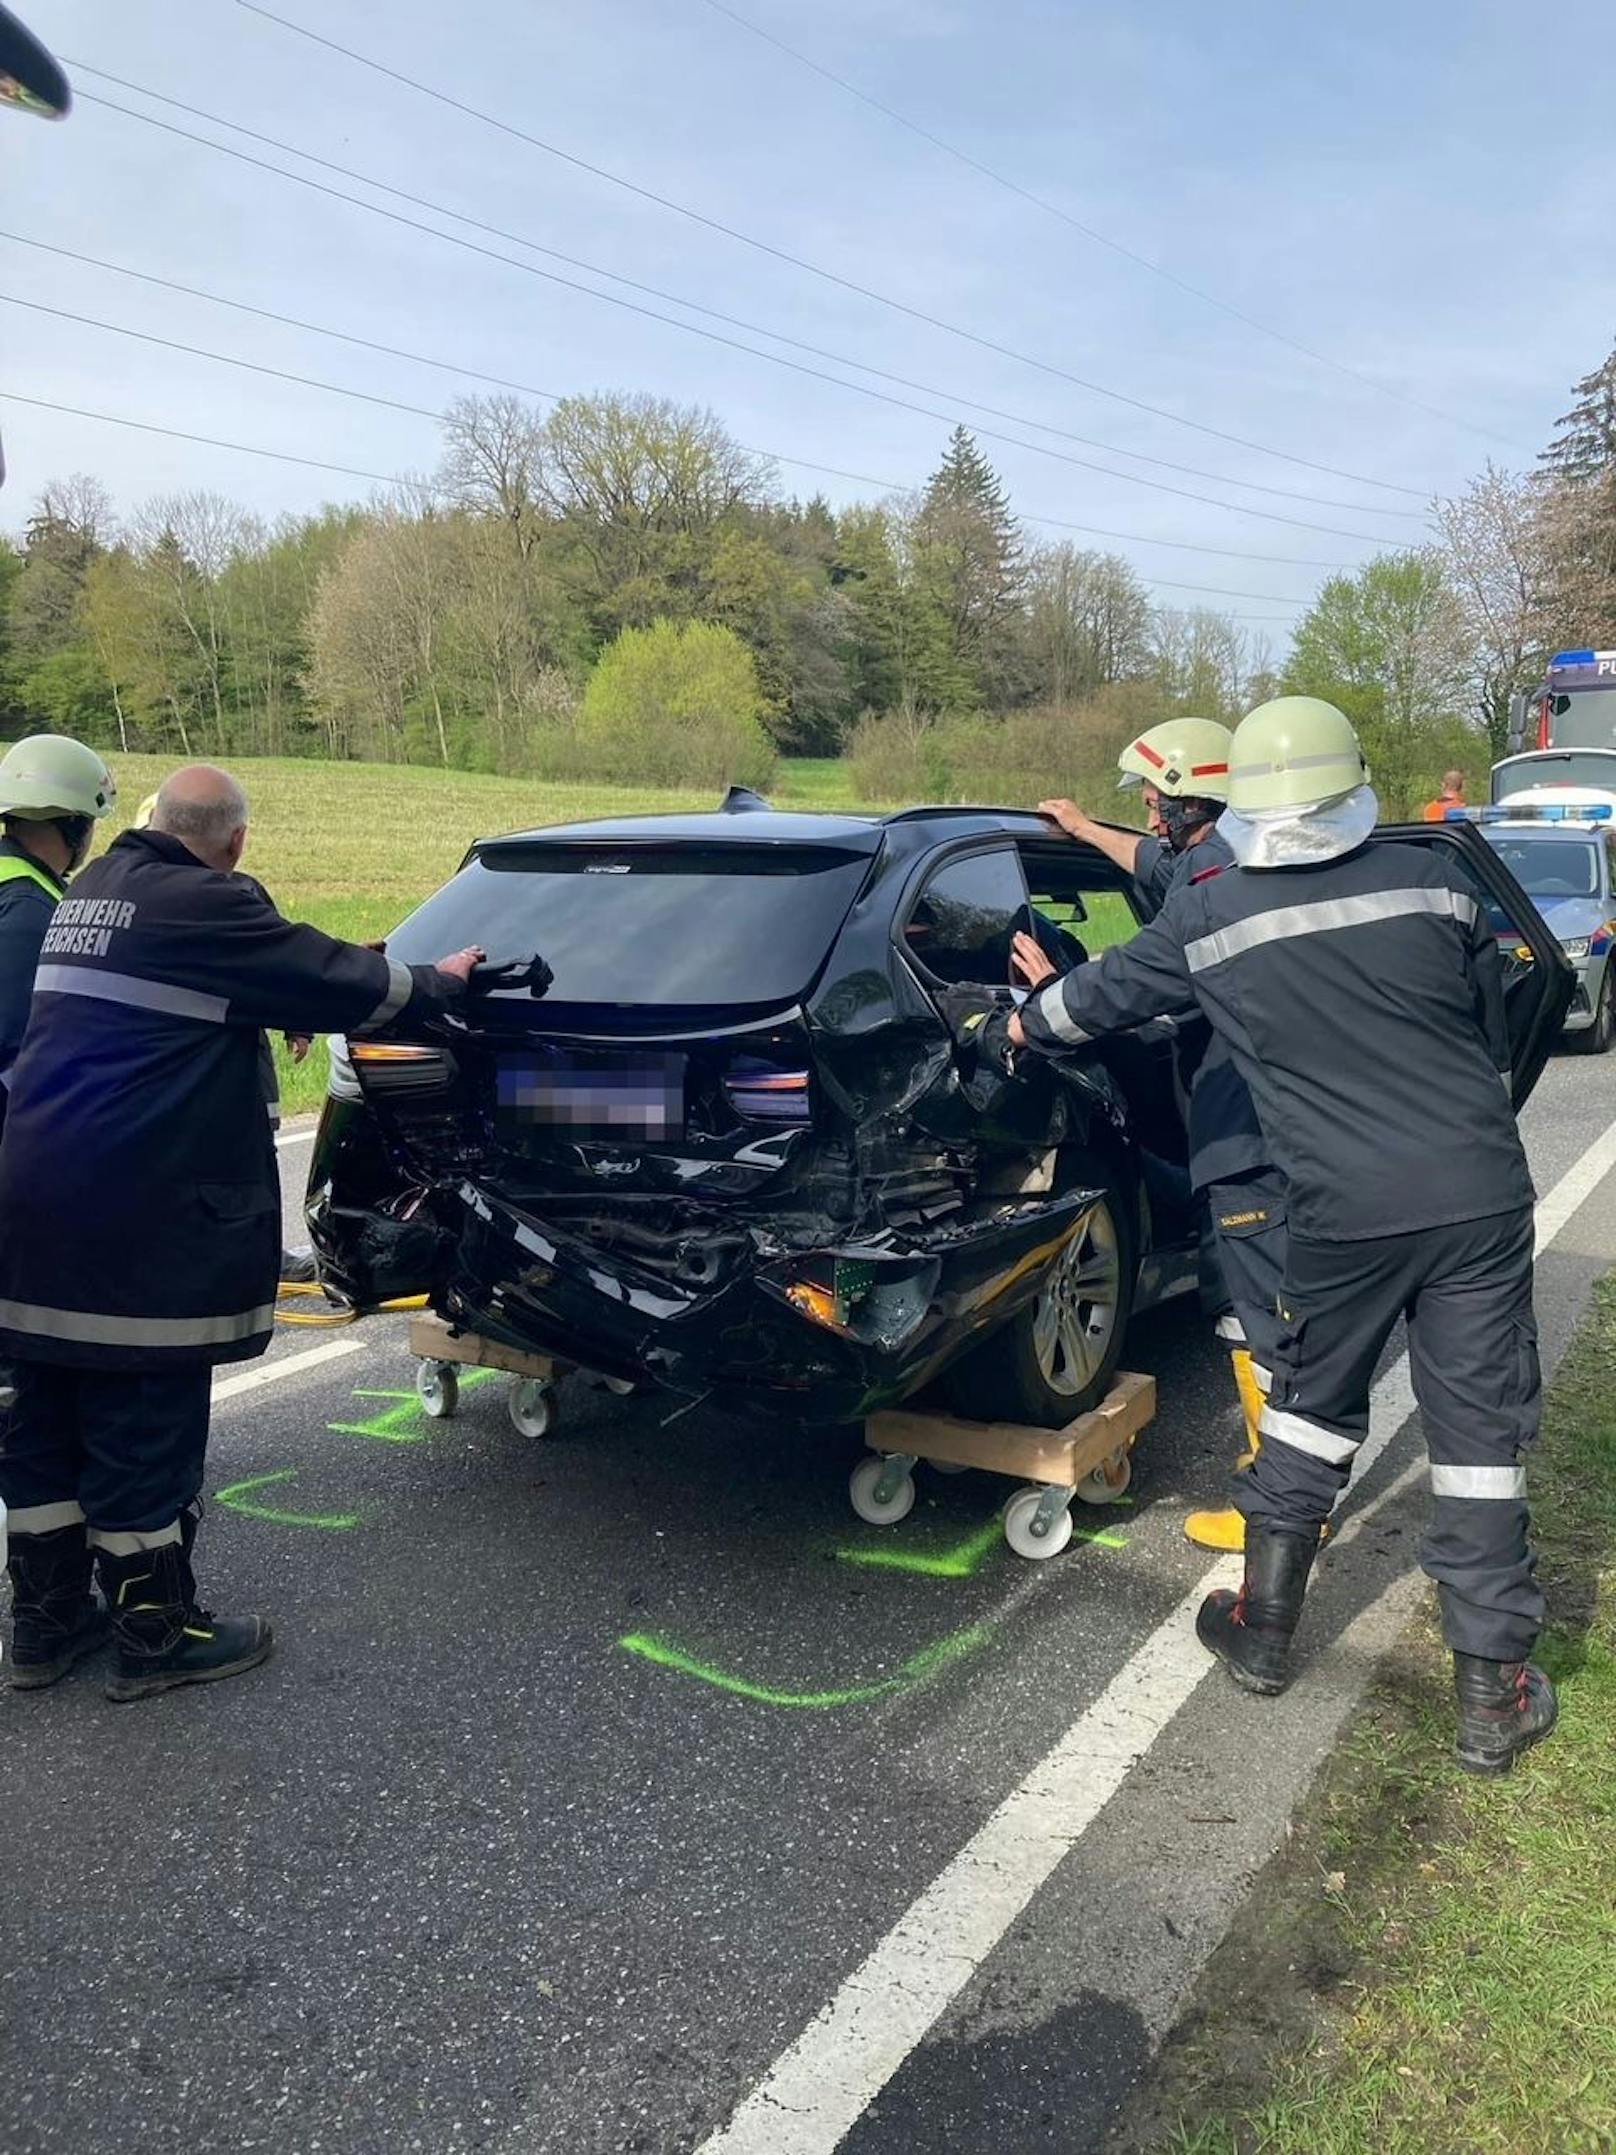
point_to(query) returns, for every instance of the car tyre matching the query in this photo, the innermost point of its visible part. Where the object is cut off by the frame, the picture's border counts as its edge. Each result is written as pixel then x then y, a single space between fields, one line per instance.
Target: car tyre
pixel 1055 1359
pixel 1596 1039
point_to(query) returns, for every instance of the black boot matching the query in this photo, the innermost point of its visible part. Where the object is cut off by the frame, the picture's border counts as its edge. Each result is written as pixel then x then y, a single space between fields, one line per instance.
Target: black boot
pixel 1503 1707
pixel 55 1619
pixel 1250 1632
pixel 162 1637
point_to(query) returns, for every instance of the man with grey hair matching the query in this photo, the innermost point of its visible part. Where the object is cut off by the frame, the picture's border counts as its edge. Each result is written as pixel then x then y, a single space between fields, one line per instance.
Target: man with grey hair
pixel 140 1220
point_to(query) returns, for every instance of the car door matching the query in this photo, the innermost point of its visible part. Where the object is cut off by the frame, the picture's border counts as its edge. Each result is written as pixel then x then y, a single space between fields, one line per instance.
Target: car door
pixel 1538 978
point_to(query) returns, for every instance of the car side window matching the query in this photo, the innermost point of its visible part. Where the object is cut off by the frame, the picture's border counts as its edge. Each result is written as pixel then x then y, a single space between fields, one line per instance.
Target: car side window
pixel 961 926
pixel 1079 902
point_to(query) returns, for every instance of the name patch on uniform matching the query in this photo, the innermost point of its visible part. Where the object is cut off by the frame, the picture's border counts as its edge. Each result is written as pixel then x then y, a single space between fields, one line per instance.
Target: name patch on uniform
pixel 84 927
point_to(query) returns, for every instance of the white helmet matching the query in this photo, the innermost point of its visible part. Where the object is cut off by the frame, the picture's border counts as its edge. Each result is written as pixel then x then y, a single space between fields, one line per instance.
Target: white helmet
pixel 1294 753
pixel 48 776
pixel 1185 758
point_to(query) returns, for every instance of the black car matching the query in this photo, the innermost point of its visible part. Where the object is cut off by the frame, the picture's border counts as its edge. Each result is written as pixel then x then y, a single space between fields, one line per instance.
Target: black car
pixel 736 1151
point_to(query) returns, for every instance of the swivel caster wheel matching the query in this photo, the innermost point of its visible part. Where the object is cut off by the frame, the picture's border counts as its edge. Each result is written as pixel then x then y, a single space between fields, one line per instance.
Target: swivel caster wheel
pixel 530 1407
pixel 883 1490
pixel 1108 1482
pixel 1037 1523
pixel 438 1389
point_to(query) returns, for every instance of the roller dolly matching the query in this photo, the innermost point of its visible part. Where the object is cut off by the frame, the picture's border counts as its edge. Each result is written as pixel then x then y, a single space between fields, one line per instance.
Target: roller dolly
pixel 1087 1459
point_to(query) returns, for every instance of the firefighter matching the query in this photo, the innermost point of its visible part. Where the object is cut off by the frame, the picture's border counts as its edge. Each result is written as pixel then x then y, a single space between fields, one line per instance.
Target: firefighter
pixel 53 791
pixel 297 1266
pixel 1183 766
pixel 1360 992
pixel 1168 764
pixel 140 1222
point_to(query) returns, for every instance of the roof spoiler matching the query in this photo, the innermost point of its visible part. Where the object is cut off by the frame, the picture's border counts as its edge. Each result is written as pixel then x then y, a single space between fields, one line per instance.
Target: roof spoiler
pixel 741 801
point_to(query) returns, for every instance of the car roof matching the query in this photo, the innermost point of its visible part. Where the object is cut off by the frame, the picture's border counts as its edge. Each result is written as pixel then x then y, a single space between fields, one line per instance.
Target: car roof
pixel 906 830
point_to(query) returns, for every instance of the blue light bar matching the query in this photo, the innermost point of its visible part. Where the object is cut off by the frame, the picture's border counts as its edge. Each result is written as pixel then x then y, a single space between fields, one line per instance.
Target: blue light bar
pixel 1573 658
pixel 1536 812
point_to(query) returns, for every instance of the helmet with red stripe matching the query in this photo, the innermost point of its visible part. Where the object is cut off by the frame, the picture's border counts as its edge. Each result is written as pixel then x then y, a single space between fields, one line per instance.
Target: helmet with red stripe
pixel 1183 758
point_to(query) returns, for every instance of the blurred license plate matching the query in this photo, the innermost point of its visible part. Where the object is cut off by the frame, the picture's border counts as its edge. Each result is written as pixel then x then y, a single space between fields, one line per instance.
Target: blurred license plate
pixel 584 1097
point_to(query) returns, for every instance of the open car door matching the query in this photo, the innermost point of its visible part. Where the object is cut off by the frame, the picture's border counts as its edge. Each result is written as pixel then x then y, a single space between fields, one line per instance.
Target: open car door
pixel 1538 978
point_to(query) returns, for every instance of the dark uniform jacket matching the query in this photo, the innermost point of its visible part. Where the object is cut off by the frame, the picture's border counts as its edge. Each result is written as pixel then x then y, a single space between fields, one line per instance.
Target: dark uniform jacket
pixel 28 897
pixel 139 1201
pixel 1225 1136
pixel 1362 1001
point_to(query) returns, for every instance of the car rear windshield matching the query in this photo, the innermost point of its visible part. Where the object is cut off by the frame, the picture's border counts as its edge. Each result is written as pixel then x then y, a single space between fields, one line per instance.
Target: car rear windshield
pixel 1550 867
pixel 644 925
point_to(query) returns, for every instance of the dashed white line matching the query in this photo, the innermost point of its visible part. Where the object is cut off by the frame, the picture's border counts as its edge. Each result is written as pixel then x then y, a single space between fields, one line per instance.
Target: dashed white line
pixel 819 2087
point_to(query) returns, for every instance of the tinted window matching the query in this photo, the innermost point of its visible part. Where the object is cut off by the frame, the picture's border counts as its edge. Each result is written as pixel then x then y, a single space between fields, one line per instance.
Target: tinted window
pixel 1549 867
pixel 1586 719
pixel 645 926
pixel 961 927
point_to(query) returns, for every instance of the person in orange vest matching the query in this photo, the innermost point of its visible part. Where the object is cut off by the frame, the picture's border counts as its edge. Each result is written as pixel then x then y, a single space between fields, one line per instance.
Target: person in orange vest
pixel 1451 796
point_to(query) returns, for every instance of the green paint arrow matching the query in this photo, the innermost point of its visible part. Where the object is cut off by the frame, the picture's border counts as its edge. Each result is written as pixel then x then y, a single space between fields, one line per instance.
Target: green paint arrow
pixel 963 1561
pixel 920 1669
pixel 408 1422
pixel 237 1498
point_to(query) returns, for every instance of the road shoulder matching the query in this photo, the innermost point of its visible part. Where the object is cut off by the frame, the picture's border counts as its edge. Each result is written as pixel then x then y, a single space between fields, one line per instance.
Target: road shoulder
pixel 1425 1964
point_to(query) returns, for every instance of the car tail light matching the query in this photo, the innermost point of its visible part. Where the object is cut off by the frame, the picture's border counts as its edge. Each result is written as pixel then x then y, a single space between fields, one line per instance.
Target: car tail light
pixel 396 1070
pixel 757 1094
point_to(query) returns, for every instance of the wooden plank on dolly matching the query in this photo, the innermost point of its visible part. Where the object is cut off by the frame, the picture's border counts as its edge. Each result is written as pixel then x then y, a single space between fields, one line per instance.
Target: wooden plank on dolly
pixel 1061 1456
pixel 434 1340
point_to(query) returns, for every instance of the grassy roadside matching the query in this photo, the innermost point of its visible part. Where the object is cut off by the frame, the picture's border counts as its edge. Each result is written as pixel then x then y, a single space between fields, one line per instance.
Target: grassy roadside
pixel 1430 1966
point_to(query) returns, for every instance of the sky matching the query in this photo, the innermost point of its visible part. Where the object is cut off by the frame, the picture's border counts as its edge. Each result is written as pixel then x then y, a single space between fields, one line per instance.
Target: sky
pixel 1420 196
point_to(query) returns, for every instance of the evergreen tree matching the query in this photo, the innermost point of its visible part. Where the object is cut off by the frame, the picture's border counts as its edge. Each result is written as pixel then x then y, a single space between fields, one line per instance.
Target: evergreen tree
pixel 1585 449
pixel 968 560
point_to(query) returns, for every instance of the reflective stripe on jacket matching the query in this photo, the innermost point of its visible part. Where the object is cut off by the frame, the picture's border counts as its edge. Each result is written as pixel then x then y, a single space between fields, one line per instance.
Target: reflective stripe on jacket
pixel 139 1199
pixel 1362 1002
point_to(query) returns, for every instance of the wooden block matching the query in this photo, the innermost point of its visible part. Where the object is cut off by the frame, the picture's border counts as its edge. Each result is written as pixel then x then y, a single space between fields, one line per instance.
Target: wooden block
pixel 1061 1456
pixel 435 1341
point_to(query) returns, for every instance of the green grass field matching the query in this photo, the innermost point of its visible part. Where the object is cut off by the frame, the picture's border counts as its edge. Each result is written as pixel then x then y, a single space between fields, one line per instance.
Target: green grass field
pixel 354 847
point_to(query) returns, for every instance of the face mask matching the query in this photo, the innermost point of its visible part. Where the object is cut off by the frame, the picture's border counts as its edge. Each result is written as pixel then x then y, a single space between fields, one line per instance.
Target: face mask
pixel 1181 819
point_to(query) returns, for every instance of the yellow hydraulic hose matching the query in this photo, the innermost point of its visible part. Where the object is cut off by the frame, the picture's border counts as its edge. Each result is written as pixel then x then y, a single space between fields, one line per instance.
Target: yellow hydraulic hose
pixel 335 1312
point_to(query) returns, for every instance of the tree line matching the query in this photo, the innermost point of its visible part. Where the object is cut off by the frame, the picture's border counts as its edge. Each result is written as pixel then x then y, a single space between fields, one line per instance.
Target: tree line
pixel 619 589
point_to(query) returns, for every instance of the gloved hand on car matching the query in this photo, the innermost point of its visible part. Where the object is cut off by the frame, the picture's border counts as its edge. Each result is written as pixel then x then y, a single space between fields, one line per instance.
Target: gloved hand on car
pixel 981 1025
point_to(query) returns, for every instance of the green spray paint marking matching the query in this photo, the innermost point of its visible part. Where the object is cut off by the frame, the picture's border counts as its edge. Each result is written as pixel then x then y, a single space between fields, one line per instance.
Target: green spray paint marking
pixel 929 1662
pixel 408 1422
pixel 238 1498
pixel 961 1562
pixel 957 1563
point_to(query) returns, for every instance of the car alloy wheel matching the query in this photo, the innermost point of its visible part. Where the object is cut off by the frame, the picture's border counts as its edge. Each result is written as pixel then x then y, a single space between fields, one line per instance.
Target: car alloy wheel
pixel 1075 1318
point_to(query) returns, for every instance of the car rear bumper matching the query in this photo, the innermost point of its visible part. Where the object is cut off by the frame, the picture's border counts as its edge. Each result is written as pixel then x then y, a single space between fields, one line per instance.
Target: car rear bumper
pixel 519 1278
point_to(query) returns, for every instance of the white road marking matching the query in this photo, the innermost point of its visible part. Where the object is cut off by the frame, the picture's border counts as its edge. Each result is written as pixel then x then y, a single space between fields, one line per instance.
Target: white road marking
pixel 819 2087
pixel 293 1137
pixel 290 1365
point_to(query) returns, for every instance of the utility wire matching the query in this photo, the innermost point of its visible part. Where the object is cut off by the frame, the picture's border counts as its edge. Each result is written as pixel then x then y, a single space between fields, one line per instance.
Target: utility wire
pixel 551 396
pixel 676 299
pixel 815 269
pixel 285 456
pixel 1089 232
pixel 209 441
pixel 611 299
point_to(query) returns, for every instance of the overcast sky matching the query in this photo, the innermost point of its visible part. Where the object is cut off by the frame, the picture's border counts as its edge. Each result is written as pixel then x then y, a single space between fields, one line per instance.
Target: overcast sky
pixel 1424 194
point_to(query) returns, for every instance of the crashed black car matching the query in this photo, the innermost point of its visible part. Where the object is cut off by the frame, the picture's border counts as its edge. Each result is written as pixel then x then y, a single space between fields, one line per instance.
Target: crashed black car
pixel 736 1149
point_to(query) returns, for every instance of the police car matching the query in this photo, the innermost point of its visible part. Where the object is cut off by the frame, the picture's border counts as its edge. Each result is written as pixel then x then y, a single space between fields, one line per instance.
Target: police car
pixel 1563 855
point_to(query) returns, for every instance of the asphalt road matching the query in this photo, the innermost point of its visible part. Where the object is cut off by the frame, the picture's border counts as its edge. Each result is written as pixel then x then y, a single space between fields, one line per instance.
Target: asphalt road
pixel 619 1792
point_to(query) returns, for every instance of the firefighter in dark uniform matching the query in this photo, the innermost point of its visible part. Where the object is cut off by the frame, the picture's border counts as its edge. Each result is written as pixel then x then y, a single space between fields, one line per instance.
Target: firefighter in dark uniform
pixel 1360 992
pixel 140 1221
pixel 1183 766
pixel 53 791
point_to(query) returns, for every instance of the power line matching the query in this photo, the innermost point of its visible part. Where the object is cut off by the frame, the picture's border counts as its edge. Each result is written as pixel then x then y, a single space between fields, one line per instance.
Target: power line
pixel 1089 232
pixel 676 299
pixel 611 299
pixel 781 254
pixel 285 456
pixel 528 389
pixel 208 441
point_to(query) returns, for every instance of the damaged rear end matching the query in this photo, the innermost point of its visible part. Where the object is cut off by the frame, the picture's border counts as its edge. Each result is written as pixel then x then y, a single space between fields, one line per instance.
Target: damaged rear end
pixel 730 1152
